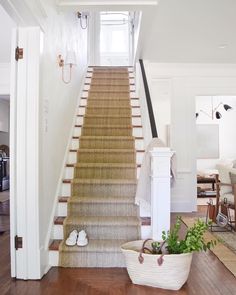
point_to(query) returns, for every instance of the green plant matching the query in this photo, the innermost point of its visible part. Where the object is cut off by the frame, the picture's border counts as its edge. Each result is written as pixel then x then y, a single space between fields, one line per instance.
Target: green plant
pixel 193 240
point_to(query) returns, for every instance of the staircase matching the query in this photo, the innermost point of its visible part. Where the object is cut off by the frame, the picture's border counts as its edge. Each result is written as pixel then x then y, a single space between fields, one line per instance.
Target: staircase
pixel 100 198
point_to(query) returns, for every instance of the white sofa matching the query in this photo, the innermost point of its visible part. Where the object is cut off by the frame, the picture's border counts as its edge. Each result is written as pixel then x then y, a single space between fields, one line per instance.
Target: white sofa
pixel 226 188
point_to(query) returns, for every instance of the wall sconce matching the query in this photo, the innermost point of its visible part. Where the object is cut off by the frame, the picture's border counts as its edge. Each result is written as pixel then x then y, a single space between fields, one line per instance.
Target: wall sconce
pixel 70 61
pixel 214 110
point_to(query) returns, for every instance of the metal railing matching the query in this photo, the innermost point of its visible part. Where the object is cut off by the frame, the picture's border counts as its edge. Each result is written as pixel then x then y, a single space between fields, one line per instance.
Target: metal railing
pixel 148 100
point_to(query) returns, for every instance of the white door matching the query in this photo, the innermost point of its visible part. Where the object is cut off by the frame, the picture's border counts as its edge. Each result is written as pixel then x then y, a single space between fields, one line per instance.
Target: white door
pixel 24 135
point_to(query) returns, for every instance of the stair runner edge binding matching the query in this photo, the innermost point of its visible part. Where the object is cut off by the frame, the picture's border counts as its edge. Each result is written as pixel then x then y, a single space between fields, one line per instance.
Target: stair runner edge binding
pixel 104 184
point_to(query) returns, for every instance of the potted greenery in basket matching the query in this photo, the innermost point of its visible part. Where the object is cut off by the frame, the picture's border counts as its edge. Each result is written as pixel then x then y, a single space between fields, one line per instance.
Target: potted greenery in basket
pixel 165 264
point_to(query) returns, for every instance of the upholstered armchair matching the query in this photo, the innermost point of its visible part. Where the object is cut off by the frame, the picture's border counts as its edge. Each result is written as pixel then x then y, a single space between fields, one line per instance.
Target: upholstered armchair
pixel 226 192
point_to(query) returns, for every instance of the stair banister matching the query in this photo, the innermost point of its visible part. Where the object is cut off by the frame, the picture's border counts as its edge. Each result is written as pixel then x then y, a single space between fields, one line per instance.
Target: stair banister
pixel 160 173
pixel 148 101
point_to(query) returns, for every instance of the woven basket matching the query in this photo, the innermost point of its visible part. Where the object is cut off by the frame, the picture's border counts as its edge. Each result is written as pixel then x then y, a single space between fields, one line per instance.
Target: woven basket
pixel 161 271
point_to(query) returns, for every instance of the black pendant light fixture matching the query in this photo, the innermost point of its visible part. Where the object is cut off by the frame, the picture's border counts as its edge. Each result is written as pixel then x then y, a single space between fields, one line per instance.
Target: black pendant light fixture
pixel 227 107
pixel 215 114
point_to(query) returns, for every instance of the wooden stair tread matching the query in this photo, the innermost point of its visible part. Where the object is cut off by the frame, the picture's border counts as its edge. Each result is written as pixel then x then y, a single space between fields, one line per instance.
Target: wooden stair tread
pixel 63 199
pixel 54 246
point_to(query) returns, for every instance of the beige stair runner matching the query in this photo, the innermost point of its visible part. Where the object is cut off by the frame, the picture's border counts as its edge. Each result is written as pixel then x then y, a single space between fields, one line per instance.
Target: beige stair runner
pixel 104 184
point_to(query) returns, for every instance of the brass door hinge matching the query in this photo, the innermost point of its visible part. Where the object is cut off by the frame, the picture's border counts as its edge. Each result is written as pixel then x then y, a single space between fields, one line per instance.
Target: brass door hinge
pixel 18 242
pixel 19 53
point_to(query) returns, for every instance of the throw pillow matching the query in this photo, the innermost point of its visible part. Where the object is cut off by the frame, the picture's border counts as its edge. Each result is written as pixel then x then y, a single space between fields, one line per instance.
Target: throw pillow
pixel 224 177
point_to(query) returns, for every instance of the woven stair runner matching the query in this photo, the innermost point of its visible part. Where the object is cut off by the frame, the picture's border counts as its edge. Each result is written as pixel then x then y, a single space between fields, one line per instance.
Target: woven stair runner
pixel 104 184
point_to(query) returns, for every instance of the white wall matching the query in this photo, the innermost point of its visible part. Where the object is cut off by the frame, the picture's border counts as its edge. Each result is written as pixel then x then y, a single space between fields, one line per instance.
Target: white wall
pixel 160 94
pixel 5 36
pixel 58 105
pixel 183 83
pixel 227 138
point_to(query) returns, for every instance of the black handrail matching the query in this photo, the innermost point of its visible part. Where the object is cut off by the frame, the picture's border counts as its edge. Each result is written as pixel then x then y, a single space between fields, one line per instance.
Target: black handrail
pixel 149 101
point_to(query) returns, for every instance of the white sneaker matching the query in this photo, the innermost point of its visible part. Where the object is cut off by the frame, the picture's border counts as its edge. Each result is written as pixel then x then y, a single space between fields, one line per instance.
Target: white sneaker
pixel 82 239
pixel 72 239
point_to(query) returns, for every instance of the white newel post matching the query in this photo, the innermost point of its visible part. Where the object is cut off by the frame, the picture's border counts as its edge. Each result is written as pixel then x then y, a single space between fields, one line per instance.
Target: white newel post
pixel 160 191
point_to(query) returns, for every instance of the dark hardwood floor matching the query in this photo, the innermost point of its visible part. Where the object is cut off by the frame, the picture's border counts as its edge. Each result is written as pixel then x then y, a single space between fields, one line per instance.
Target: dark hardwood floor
pixel 208 276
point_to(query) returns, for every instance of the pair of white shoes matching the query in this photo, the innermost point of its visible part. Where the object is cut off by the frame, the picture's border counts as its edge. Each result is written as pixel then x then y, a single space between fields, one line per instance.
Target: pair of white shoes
pixel 79 238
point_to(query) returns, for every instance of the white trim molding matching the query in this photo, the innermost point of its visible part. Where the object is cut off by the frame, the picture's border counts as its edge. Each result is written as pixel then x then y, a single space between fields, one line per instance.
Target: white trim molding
pixel 160 191
pixel 108 3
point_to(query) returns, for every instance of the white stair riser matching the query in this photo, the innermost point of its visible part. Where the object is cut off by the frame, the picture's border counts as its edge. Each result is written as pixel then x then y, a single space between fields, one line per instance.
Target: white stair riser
pixel 53 258
pixel 62 209
pixel 69 172
pixel 65 190
pixel 58 231
pixel 137 131
pixel 139 144
pixel 135 121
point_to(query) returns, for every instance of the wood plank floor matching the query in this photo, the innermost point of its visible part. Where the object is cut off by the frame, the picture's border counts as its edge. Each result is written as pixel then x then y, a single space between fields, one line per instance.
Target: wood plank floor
pixel 208 276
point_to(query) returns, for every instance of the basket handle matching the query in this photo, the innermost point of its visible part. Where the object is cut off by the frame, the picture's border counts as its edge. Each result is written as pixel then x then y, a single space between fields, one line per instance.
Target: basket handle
pixel 141 258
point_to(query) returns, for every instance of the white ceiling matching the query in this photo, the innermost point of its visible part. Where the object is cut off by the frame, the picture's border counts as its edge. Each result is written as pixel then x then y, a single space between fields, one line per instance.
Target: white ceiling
pixel 6 25
pixel 191 31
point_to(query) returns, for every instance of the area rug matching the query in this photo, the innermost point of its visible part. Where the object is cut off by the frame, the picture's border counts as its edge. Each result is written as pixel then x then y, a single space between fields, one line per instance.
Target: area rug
pixel 225 249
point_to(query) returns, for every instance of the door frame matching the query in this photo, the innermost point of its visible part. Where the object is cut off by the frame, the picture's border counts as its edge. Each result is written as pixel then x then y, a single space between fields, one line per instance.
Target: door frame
pixel 24 146
pixel 24 137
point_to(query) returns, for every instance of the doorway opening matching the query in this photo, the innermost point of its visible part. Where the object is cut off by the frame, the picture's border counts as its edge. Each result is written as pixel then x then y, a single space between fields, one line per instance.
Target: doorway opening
pixel 116 38
pixel 215 142
pixel 5 151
